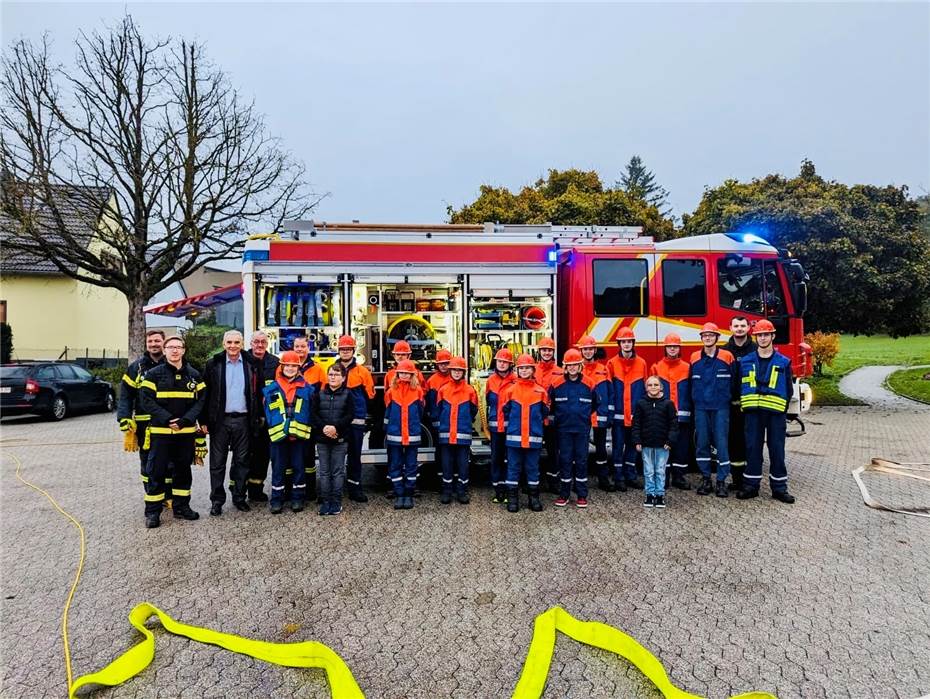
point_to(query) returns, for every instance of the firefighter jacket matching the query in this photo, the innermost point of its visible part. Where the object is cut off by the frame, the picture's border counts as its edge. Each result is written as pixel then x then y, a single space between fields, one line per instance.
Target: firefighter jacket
pixel 596 374
pixel 389 379
pixel 738 353
pixel 130 405
pixel 265 367
pixel 711 379
pixel 167 393
pixel 572 402
pixel 547 373
pixel 287 407
pixel 655 423
pixel 214 375
pixel 313 373
pixel 526 406
pixel 331 408
pixel 455 411
pixel 403 413
pixel 765 385
pixel 676 386
pixel 433 384
pixel 628 380
pixel 362 388
pixel 493 392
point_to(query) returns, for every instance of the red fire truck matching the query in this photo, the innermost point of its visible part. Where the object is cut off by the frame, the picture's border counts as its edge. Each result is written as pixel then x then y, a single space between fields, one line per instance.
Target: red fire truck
pixel 472 289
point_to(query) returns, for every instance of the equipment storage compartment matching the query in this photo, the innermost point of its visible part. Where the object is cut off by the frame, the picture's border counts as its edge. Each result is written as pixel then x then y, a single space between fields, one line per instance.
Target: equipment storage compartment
pixel 289 310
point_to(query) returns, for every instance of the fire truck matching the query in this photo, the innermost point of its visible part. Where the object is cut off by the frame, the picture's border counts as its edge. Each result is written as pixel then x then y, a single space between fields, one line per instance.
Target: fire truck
pixel 472 289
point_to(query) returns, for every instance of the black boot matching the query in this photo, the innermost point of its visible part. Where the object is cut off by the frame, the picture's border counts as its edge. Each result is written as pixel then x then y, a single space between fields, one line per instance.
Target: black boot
pixel 500 495
pixel 446 497
pixel 463 497
pixel 784 496
pixel 722 491
pixel 513 500
pixel 604 483
pixel 152 521
pixel 535 503
pixel 679 480
pixel 185 512
pixel 705 488
pixel 256 494
pixel 399 502
pixel 747 493
pixel 356 494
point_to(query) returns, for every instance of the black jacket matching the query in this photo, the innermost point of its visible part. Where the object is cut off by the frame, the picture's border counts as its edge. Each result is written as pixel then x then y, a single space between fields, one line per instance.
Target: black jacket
pixel 738 353
pixel 655 422
pixel 265 368
pixel 214 375
pixel 129 399
pixel 167 392
pixel 331 408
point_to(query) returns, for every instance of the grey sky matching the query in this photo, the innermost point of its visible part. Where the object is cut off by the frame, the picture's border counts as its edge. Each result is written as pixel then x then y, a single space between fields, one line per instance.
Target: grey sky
pixel 400 109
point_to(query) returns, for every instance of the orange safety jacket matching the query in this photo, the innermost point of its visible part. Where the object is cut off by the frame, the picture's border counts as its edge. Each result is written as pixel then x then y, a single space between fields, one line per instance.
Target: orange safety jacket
pixel 673 373
pixel 526 407
pixel 628 380
pixel 596 374
pixel 493 391
pixel 456 408
pixel 433 385
pixel 547 372
pixel 402 415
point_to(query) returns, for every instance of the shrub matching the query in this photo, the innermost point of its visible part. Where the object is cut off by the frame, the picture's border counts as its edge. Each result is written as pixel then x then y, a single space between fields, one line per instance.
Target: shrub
pixel 113 374
pixel 202 342
pixel 824 347
pixel 6 343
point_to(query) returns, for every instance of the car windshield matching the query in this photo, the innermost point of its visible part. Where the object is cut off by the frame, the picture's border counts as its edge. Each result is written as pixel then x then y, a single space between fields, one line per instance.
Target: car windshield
pixel 14 372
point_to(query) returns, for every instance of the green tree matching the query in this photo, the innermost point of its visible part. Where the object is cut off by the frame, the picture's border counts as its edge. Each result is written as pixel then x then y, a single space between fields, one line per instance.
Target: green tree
pixel 639 181
pixel 868 261
pixel 6 343
pixel 565 197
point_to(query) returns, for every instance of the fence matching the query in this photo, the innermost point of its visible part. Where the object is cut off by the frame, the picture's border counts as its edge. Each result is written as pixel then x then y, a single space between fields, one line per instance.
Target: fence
pixel 85 356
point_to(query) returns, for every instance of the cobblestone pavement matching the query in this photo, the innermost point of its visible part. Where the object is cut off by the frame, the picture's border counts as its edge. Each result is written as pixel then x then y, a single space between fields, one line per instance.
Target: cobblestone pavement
pixel 827 598
pixel 868 385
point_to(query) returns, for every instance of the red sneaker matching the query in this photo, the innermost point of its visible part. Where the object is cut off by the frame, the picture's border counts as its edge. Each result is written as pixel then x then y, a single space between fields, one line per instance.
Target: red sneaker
pixel 582 503
pixel 560 502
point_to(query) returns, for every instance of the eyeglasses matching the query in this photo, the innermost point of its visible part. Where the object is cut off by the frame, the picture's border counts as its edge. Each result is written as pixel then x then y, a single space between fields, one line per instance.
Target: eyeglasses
pixel 174 347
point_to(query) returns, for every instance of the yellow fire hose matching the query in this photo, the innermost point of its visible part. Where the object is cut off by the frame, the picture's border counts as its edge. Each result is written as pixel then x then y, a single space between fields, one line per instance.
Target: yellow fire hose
pixel 342 684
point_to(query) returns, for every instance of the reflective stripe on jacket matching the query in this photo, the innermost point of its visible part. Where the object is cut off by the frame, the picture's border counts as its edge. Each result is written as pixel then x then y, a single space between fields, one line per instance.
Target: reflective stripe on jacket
pixel 571 404
pixel 288 418
pixel 362 388
pixel 130 405
pixel 403 413
pixel 493 391
pixel 711 379
pixel 596 374
pixel 628 380
pixel 770 392
pixel 456 408
pixel 169 393
pixel 676 386
pixel 525 408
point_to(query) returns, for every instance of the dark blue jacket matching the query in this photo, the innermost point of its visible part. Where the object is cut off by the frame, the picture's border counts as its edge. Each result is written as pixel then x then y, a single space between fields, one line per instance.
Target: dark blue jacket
pixel 572 403
pixel 712 380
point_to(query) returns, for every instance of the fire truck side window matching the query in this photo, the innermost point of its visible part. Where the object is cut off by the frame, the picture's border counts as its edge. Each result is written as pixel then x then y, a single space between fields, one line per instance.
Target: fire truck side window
pixel 684 288
pixel 774 298
pixel 739 280
pixel 621 288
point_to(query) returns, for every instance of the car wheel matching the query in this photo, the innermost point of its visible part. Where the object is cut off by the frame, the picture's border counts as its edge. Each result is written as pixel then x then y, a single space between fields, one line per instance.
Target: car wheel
pixel 59 408
pixel 110 403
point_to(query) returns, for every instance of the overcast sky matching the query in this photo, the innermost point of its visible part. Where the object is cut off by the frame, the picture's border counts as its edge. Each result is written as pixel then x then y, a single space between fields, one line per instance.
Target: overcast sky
pixel 398 110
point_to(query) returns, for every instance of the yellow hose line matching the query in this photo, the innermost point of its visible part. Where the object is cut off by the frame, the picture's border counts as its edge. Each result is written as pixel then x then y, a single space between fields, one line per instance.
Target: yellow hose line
pixel 303 654
pixel 593 633
pixel 77 575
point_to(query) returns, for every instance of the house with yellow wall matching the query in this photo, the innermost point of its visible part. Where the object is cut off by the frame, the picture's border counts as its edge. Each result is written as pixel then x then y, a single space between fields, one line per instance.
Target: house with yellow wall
pixel 51 314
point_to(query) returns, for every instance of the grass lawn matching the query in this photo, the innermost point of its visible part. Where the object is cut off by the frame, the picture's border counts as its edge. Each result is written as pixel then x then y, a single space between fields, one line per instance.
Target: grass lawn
pixel 857 351
pixel 910 383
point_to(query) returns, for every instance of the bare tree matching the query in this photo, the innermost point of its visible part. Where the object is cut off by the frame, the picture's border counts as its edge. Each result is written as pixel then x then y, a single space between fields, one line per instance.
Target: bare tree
pixel 186 165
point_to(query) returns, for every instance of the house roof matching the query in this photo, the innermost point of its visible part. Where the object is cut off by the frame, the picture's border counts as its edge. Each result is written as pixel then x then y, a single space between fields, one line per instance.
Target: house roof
pixel 80 208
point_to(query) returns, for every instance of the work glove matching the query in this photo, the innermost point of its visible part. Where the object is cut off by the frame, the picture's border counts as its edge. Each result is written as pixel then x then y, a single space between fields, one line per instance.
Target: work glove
pixel 130 443
pixel 200 449
pixel 127 424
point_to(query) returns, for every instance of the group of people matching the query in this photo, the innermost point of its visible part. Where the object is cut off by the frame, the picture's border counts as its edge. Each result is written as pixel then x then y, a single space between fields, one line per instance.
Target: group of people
pixel 310 421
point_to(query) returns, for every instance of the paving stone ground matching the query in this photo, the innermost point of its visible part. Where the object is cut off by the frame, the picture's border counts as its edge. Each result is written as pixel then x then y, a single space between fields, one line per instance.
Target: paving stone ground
pixel 827 598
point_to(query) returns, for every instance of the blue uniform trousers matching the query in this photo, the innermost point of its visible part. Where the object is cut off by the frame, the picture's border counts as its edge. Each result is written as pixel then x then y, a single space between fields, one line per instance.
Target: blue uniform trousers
pixel 498 443
pixel 287 460
pixel 402 469
pixel 520 460
pixel 454 459
pixel 711 427
pixel 765 426
pixel 573 463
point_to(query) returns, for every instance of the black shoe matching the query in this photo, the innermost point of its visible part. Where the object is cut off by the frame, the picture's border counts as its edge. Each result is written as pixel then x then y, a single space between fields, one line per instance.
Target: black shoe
pixel 747 493
pixel 784 496
pixel 722 490
pixel 185 512
pixel 398 501
pixel 705 488
pixel 357 495
pixel 660 502
pixel 649 501
pixel 620 486
pixel 152 521
pixel 276 508
pixel 605 484
pixel 634 484
pixel 680 481
pixel 446 497
pixel 535 503
pixel 297 506
pixel 241 505
pixel 335 507
pixel 513 500
pixel 216 509
pixel 463 497
pixel 408 502
pixel 257 496
pixel 324 509
pixel 500 496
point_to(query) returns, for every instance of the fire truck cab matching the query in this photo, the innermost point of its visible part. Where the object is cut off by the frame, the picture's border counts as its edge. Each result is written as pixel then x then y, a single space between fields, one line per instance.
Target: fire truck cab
pixel 472 289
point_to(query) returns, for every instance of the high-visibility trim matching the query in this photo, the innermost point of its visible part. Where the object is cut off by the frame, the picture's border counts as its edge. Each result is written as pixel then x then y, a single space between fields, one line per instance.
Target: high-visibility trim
pixel 773 377
pixel 535 672
pixel 148 384
pixel 174 394
pixel 413 439
pixel 201 387
pixel 154 498
pixel 302 654
pixel 168 430
pixel 131 382
pixel 255 481
pixel 298 404
pixel 181 492
pixel 143 418
pixel 145 479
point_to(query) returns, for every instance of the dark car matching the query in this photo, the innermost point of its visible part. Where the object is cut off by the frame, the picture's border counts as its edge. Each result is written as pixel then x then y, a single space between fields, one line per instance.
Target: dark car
pixel 53 389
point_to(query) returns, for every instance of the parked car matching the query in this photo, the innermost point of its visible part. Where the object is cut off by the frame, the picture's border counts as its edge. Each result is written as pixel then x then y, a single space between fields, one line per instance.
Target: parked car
pixel 53 389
